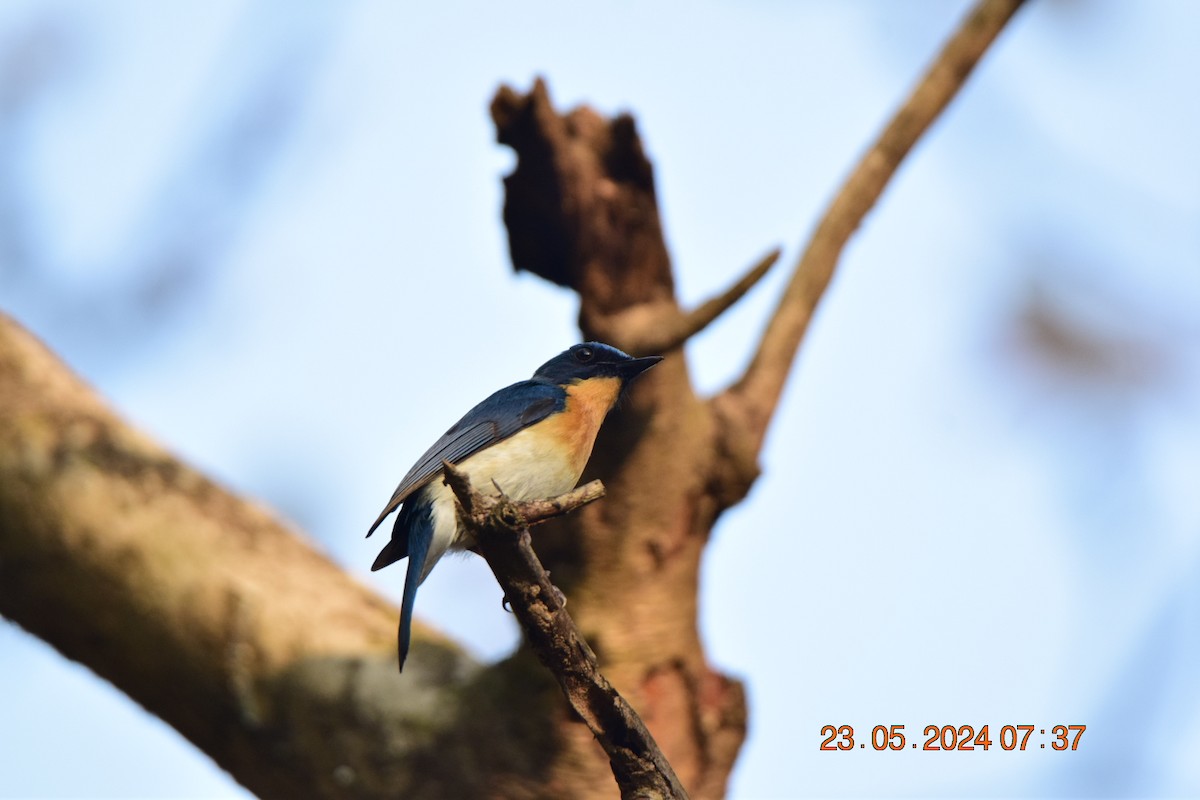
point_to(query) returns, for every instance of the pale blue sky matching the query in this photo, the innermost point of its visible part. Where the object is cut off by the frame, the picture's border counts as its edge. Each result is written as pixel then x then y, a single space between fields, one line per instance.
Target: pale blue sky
pixel 247 222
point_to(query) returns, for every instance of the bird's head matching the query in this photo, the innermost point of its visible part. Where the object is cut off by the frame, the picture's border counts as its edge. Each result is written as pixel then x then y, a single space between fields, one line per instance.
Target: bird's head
pixel 592 360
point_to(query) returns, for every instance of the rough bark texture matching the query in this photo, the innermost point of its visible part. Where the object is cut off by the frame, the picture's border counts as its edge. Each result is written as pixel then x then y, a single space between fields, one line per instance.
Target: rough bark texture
pixel 232 629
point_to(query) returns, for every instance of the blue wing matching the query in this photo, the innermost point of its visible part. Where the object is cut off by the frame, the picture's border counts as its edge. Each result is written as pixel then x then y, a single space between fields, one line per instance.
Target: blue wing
pixel 498 417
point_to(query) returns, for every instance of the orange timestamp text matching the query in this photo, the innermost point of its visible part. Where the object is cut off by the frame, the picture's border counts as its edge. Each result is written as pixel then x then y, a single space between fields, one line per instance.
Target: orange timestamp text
pixel 956 738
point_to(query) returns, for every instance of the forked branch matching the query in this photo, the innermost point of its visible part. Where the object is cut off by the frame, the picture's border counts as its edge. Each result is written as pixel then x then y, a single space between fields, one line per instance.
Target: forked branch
pixel 751 401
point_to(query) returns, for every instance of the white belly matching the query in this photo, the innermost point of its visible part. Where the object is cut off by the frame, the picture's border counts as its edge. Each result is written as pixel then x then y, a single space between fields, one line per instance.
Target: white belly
pixel 525 469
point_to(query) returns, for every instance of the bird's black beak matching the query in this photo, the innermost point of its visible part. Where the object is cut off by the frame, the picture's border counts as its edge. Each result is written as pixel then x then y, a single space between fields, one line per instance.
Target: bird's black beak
pixel 636 366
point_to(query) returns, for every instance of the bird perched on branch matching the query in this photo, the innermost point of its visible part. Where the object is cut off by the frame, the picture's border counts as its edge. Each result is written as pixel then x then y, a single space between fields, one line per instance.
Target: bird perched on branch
pixel 531 439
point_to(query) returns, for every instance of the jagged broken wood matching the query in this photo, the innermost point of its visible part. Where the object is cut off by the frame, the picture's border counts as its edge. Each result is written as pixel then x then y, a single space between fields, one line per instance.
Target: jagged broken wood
pixel 501 529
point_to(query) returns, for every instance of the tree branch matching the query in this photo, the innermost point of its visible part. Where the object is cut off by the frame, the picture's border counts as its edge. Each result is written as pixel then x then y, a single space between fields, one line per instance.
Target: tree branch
pixel 220 620
pixel 751 401
pixel 501 528
pixel 665 328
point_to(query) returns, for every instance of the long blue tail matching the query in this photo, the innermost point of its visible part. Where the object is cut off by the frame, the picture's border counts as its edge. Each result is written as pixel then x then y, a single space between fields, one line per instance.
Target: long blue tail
pixel 417 519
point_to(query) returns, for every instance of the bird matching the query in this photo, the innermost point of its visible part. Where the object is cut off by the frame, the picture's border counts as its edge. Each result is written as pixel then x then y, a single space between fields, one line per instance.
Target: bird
pixel 530 440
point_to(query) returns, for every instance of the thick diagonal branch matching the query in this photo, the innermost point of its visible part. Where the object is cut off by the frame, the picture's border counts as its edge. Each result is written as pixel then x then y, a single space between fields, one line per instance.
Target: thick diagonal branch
pixel 501 529
pixel 749 403
pixel 216 617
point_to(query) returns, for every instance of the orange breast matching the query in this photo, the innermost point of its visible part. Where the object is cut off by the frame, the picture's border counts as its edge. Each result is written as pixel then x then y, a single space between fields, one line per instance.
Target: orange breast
pixel 588 403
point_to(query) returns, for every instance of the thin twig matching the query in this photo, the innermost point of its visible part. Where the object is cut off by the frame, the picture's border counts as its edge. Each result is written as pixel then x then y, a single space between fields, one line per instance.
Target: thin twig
pixel 662 334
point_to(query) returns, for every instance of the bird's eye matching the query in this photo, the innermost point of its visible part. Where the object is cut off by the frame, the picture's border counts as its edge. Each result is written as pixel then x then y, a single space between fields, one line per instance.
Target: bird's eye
pixel 584 354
